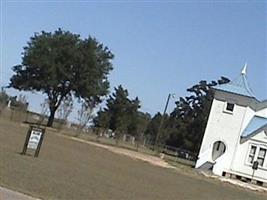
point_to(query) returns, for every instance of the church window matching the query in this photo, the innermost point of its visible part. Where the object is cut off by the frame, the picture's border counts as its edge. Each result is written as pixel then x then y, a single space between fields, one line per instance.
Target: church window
pixel 230 107
pixel 261 156
pixel 252 153
pixel 218 145
pixel 257 153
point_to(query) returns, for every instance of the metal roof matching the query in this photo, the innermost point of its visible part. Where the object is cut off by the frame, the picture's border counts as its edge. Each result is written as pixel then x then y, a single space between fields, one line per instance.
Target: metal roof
pixel 238 86
pixel 255 124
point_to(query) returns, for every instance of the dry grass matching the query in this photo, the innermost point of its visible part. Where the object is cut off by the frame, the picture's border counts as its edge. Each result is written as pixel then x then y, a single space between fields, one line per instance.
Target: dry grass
pixel 67 169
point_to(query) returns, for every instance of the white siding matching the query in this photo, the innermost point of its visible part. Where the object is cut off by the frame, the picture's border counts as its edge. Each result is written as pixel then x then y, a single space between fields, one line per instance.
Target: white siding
pixel 223 126
pixel 242 166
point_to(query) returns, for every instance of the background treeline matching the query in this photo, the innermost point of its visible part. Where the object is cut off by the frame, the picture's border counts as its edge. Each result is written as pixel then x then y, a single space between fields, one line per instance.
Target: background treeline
pixel 183 128
pixel 66 67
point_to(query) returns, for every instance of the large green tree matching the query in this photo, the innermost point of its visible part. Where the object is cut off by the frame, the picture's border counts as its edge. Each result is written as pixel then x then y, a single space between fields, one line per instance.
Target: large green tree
pixel 118 105
pixel 62 65
pixel 120 114
pixel 186 124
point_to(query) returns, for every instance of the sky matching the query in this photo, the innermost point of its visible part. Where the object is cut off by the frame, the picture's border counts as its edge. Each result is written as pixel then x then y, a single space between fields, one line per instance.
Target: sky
pixel 160 47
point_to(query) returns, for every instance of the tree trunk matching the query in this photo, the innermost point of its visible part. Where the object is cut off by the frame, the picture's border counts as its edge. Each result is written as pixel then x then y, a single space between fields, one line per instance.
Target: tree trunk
pixel 51 117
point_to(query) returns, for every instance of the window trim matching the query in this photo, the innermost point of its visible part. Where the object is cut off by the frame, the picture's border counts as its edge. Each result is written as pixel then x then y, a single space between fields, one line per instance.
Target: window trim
pixel 250 154
pixel 256 155
pixel 226 105
pixel 231 105
pixel 260 157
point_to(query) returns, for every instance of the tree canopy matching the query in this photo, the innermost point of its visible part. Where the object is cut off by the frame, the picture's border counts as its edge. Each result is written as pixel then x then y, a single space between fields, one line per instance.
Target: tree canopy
pixel 153 128
pixel 185 126
pixel 187 122
pixel 119 108
pixel 61 65
pixel 121 114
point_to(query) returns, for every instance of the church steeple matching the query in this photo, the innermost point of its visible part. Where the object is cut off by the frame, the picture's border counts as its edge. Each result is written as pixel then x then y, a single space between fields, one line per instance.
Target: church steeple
pixel 238 86
pixel 244 70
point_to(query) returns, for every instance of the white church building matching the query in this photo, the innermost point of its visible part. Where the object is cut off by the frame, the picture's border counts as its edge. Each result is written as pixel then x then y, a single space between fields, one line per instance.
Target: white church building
pixel 235 138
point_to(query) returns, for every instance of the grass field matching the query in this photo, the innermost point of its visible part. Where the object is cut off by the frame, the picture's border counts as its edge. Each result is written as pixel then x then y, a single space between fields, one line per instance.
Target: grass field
pixel 67 169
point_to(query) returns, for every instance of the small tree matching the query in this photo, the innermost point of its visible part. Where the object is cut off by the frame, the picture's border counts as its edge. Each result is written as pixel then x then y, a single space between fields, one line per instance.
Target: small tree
pixel 64 110
pixel 121 112
pixel 60 64
pixel 117 105
pixel 3 99
pixel 85 115
pixel 44 111
pixel 19 107
pixel 101 121
pixel 142 124
pixel 152 128
pixel 133 116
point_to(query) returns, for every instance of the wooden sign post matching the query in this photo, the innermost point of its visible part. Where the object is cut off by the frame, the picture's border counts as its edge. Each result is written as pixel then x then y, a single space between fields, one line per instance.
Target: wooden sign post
pixel 33 140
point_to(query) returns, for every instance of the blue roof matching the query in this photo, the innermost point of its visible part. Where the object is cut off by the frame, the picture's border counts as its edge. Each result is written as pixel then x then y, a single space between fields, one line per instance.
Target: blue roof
pixel 256 123
pixel 238 86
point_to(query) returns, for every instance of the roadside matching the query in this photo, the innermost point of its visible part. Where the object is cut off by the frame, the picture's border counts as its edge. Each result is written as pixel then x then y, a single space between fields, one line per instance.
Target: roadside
pixel 6 194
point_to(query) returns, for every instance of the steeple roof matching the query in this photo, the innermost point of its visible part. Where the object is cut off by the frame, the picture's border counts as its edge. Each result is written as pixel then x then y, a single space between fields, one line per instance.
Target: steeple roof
pixel 238 86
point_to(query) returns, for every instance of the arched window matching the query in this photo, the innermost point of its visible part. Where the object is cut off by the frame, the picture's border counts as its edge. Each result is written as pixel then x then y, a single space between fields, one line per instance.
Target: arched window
pixel 218 149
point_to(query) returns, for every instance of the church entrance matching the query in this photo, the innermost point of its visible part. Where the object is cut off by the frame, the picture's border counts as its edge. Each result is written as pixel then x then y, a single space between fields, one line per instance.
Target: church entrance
pixel 218 149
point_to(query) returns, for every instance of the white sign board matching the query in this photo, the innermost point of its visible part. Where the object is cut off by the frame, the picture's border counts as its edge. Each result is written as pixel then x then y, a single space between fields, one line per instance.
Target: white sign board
pixel 34 139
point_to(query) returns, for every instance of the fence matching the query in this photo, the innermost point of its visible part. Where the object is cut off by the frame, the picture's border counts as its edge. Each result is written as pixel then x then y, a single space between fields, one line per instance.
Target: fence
pixel 142 144
pixel 178 152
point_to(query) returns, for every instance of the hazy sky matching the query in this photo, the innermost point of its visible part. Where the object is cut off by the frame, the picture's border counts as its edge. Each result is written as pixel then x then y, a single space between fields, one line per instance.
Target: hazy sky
pixel 160 47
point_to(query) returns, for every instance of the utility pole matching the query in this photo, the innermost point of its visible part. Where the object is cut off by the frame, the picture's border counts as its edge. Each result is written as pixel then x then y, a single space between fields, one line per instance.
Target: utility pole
pixel 161 121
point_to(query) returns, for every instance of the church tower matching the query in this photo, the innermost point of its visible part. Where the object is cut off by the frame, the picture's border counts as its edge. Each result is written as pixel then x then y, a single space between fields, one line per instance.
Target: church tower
pixel 231 110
